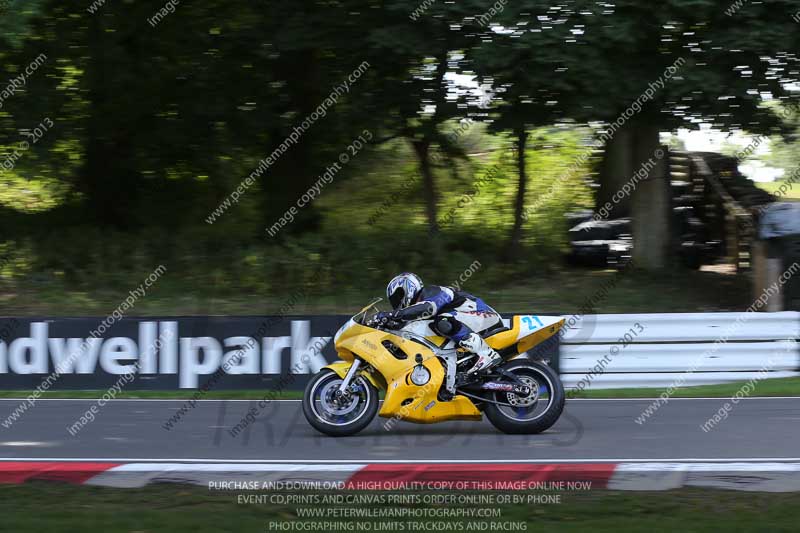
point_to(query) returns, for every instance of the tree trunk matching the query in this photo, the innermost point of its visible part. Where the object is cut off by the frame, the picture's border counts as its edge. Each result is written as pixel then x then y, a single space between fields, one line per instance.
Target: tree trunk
pixel 651 202
pixel 108 177
pixel 423 143
pixel 422 149
pixel 298 168
pixel 519 205
pixel 648 200
pixel 616 169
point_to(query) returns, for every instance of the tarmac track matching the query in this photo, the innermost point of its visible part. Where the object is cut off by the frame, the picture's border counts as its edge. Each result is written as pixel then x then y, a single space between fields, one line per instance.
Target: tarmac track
pixel 590 430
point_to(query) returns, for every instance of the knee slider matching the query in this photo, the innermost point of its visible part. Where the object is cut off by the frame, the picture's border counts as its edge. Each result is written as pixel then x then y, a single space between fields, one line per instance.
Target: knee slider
pixel 445 326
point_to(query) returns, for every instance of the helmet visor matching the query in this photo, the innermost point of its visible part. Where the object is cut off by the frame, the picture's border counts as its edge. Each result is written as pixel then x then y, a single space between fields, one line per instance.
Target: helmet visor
pixel 396 298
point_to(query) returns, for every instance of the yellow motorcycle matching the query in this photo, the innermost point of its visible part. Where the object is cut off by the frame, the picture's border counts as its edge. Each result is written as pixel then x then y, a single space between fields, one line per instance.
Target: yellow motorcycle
pixel 408 362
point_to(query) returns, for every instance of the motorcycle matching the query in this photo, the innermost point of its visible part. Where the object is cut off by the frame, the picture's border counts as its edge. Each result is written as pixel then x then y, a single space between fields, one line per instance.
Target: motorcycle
pixel 408 362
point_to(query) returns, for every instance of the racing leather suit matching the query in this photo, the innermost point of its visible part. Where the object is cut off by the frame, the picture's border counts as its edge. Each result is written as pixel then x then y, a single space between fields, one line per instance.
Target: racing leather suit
pixel 460 317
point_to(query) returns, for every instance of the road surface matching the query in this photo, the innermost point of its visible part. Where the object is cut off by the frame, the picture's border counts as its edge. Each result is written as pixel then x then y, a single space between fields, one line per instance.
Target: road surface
pixel 590 430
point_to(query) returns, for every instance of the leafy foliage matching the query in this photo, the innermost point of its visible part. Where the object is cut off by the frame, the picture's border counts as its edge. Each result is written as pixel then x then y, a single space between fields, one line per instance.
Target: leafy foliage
pixel 155 126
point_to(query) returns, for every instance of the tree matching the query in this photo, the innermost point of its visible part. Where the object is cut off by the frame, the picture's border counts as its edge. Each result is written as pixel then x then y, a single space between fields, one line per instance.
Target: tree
pixel 713 67
pixel 642 69
pixel 417 96
pixel 786 148
pixel 519 61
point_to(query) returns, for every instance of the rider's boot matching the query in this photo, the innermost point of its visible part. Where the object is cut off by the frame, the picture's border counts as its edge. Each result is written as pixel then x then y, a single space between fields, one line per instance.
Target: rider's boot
pixel 487 357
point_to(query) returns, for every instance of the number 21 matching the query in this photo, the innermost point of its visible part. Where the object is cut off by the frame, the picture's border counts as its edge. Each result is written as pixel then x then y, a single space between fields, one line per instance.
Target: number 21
pixel 529 321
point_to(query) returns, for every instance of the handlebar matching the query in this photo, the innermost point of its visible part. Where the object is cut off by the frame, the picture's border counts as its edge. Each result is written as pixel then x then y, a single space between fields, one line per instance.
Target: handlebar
pixel 386 322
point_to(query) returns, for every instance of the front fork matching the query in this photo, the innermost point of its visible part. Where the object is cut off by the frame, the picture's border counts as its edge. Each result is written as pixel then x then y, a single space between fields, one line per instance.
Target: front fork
pixel 452 368
pixel 342 369
pixel 351 373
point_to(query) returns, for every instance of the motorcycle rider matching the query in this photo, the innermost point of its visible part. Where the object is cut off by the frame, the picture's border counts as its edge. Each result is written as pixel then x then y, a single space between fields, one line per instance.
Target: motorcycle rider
pixel 459 316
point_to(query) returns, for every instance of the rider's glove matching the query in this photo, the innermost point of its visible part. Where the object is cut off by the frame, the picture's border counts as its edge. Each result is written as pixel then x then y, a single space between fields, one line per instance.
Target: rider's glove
pixel 384 316
pixel 387 318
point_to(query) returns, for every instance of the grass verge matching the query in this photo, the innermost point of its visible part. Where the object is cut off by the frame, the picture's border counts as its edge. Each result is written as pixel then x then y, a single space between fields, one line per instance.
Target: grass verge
pixel 767 387
pixel 41 506
pixel 563 290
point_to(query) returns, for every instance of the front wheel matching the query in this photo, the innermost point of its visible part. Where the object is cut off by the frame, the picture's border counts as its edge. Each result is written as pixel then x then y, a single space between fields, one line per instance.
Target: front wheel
pixel 535 412
pixel 339 415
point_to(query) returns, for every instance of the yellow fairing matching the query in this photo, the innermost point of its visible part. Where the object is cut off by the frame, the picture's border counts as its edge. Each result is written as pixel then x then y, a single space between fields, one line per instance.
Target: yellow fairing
pixel 526 331
pixel 341 368
pixel 419 404
pixel 528 342
pixel 404 400
pixel 506 338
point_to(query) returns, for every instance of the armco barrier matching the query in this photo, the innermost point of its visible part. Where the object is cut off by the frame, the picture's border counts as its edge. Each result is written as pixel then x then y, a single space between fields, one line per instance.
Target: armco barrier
pixel 690 348
pixel 720 347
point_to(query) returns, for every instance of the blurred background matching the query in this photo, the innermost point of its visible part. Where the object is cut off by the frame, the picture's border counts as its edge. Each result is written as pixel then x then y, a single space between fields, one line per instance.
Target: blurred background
pixel 307 151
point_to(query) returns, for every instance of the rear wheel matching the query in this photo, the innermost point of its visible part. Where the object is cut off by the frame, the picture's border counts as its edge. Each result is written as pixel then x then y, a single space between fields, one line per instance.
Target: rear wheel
pixel 535 412
pixel 339 415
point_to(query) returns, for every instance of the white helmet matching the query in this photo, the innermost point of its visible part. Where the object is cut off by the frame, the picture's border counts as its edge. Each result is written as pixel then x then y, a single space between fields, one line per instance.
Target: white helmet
pixel 403 289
